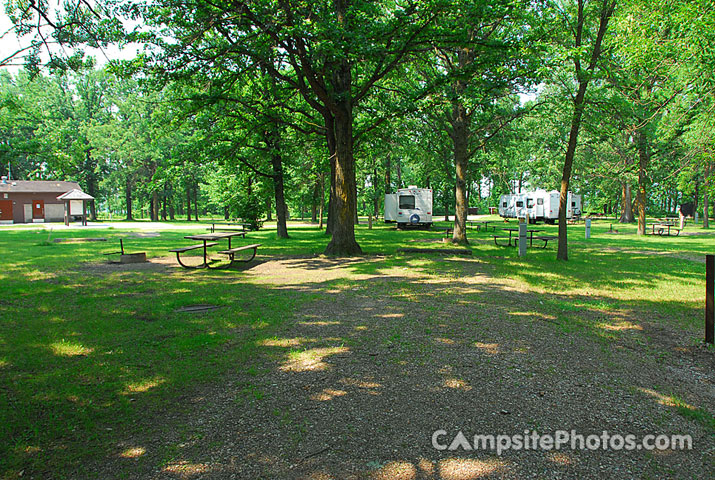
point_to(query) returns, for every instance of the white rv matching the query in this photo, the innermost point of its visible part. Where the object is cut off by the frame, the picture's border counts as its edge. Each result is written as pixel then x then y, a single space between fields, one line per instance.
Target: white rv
pixel 513 205
pixel 538 205
pixel 390 207
pixel 410 206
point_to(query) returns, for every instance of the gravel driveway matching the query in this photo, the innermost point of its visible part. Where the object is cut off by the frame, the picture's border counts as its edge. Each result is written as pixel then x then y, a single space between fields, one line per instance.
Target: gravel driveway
pixel 356 384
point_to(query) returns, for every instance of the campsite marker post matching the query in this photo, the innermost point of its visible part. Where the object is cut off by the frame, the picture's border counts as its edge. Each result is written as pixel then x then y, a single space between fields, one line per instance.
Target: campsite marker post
pixel 709 299
pixel 522 237
pixel 588 228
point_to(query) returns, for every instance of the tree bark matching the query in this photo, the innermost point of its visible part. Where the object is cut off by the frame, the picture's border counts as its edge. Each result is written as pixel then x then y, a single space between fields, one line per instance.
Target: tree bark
pixel 281 208
pixel 330 141
pixel 583 78
pixel 643 160
pixel 579 105
pixel 128 197
pixel 459 134
pixel 154 206
pixel 343 235
pixel 627 212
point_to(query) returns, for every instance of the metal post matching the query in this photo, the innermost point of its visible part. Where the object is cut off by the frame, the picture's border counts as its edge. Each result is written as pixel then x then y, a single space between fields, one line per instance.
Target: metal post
pixel 709 298
pixel 588 228
pixel 522 239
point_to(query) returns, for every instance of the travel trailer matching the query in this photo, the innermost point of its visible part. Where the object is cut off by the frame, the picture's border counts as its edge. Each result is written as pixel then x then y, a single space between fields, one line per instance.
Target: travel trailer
pixel 538 205
pixel 390 207
pixel 410 206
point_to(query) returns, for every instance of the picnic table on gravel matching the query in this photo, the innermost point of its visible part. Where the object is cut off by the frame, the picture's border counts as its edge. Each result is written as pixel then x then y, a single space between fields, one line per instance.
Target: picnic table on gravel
pixel 211 240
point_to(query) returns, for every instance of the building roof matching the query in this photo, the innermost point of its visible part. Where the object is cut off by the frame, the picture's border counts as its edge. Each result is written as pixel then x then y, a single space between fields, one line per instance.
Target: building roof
pixel 75 194
pixel 37 186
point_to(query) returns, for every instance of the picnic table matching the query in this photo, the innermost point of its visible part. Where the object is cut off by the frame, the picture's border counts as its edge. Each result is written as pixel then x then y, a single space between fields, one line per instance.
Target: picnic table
pixel 530 233
pixel 210 240
pixel 229 226
pixel 664 228
pixel 482 223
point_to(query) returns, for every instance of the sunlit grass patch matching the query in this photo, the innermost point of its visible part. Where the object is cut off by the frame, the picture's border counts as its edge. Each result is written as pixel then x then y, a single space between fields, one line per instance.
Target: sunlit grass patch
pixel 66 348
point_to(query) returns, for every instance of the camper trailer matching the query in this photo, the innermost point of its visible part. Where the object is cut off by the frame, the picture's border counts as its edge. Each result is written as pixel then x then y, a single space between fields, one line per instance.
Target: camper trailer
pixel 390 207
pixel 538 205
pixel 410 206
pixel 513 205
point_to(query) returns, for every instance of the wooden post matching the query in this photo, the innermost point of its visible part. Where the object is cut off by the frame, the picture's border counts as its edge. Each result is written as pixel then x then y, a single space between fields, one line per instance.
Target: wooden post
pixel 709 298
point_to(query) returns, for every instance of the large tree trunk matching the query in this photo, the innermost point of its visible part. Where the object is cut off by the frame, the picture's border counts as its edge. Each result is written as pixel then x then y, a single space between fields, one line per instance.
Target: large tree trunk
pixel 128 197
pixel 643 160
pixel 343 236
pixel 583 77
pixel 330 141
pixel 154 206
pixel 579 105
pixel 627 212
pixel 459 134
pixel 281 208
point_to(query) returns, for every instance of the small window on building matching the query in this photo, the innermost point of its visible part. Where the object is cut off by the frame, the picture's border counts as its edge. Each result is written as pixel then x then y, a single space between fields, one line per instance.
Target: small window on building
pixel 520 204
pixel 529 202
pixel 503 204
pixel 407 202
pixel 539 201
pixel 573 204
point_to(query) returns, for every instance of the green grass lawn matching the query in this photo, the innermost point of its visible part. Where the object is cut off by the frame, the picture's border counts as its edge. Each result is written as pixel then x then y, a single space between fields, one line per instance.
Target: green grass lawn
pixel 88 351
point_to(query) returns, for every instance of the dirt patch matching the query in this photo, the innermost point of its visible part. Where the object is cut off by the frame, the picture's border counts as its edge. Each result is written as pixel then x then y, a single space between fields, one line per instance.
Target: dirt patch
pixel 361 377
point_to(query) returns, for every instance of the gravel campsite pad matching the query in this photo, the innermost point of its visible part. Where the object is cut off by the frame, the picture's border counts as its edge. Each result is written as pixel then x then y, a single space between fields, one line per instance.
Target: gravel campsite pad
pixel 383 355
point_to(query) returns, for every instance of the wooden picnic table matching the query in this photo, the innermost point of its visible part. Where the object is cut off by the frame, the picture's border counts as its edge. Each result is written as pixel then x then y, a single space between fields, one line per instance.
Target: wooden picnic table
pixel 530 233
pixel 214 238
pixel 482 223
pixel 664 228
pixel 229 226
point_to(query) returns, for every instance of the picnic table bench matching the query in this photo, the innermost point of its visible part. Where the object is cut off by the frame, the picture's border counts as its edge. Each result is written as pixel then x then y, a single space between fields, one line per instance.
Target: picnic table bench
pixel 232 251
pixel 546 239
pixel 211 240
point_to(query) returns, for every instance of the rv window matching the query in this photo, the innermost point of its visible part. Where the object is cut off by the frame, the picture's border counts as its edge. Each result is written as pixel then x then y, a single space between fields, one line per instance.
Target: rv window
pixel 407 202
pixel 529 202
pixel 539 201
pixel 520 204
pixel 573 204
pixel 503 204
